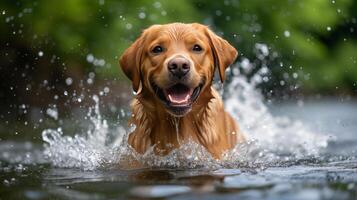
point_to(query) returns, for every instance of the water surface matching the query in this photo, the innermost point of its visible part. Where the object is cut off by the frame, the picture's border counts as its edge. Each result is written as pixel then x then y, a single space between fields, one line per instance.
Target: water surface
pixel 332 174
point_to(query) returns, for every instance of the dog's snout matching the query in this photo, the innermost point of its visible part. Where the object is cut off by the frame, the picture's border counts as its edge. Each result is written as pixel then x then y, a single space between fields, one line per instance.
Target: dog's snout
pixel 179 66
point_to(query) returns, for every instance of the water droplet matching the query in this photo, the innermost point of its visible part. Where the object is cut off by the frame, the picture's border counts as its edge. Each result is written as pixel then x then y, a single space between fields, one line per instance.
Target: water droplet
pixel 106 90
pixel 142 15
pixel 286 33
pixel 91 74
pixel 263 50
pixel 90 81
pixel 6 182
pixel 90 58
pixel 95 98
pixel 157 4
pixel 52 112
pixel 101 62
pixel 69 81
pixel 128 26
pixel 295 75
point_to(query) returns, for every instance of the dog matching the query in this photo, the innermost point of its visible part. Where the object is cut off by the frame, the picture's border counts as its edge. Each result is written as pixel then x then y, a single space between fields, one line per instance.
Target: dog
pixel 171 68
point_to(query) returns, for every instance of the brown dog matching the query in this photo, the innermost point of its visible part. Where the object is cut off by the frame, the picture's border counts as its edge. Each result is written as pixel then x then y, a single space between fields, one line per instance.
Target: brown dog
pixel 171 68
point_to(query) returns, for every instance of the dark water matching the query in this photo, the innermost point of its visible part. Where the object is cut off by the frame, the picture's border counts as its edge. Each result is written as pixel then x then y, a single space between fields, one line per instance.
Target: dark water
pixel 25 174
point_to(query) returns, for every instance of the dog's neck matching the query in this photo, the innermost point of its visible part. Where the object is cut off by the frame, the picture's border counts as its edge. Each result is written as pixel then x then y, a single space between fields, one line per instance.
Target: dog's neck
pixel 155 126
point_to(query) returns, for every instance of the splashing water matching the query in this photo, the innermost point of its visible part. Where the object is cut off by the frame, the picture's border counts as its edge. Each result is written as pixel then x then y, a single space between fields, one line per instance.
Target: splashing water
pixel 87 151
pixel 270 140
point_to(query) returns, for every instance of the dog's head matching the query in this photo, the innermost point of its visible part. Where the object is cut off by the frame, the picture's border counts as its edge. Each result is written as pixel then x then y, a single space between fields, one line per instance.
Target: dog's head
pixel 176 63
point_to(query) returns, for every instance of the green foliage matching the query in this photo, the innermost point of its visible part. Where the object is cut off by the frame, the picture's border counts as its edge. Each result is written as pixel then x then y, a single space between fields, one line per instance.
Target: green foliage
pixel 315 37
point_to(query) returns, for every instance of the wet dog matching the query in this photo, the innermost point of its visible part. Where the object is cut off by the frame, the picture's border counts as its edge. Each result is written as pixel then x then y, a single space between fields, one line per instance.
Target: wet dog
pixel 171 67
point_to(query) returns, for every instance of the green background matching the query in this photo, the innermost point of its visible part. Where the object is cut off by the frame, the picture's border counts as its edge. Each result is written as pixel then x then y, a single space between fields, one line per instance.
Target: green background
pixel 44 42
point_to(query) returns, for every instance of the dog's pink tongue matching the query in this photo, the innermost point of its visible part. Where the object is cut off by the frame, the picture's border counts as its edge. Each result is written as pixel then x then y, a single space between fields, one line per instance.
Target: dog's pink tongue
pixel 179 98
pixel 178 95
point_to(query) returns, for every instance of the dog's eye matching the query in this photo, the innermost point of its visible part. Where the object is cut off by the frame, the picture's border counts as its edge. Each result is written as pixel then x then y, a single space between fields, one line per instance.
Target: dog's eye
pixel 197 48
pixel 157 49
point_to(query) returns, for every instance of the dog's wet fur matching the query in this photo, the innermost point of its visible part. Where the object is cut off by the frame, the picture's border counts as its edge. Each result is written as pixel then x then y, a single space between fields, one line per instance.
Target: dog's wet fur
pixel 171 67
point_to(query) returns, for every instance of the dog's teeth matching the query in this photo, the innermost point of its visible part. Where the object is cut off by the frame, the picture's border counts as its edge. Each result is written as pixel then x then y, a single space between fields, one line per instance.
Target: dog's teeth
pixel 173 99
pixel 187 97
pixel 178 101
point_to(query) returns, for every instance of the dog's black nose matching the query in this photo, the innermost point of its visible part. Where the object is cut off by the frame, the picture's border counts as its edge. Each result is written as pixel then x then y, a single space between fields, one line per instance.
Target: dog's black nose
pixel 179 66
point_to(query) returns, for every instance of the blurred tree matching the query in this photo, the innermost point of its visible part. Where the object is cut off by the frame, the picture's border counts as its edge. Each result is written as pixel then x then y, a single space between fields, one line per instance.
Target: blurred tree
pixel 310 41
pixel 49 48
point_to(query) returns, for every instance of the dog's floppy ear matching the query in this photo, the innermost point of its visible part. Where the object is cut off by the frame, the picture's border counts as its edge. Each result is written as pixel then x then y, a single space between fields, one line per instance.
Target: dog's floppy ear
pixel 130 63
pixel 224 54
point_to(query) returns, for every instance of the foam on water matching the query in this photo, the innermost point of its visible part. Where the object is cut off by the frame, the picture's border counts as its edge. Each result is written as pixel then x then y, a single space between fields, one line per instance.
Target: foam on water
pixel 270 140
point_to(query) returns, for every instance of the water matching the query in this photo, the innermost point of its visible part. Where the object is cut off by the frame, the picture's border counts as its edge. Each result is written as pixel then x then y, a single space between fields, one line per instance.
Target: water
pixel 27 174
pixel 294 151
pixel 330 174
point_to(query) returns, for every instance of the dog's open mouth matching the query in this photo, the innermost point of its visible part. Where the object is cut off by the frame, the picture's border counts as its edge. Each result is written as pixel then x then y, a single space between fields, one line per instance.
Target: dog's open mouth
pixel 179 97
